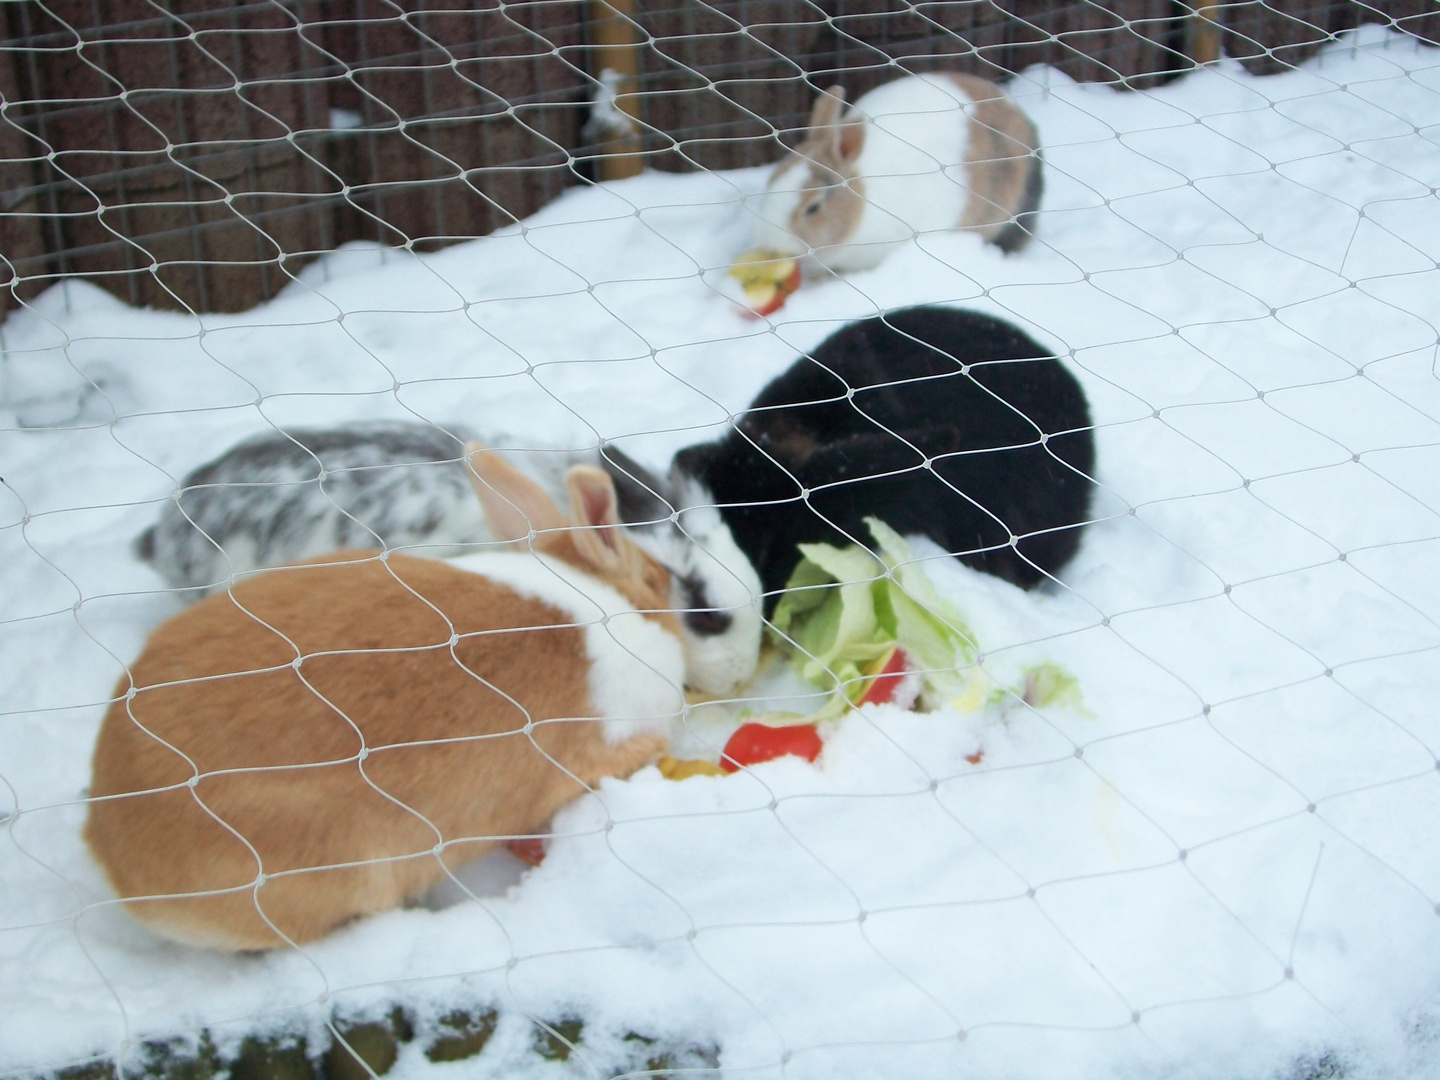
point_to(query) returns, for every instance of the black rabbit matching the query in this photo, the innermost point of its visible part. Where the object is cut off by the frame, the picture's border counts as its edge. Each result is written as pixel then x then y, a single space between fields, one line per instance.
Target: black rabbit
pixel 943 422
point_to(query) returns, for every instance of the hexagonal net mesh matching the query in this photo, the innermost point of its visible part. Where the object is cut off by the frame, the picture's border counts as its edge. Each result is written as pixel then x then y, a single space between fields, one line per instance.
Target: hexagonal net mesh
pixel 792 622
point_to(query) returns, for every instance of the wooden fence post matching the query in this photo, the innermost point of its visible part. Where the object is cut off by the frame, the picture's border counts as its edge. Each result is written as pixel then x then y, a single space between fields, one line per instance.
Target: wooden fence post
pixel 1205 33
pixel 616 66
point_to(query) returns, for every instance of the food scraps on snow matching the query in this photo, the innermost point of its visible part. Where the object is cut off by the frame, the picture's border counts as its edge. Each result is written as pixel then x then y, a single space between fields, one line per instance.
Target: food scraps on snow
pixel 892 680
pixel 678 769
pixel 767 279
pixel 528 849
pixel 871 628
pixel 755 742
pixel 765 738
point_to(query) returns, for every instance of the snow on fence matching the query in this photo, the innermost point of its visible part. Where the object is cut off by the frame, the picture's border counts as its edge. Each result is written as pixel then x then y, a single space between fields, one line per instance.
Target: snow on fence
pixel 1182 819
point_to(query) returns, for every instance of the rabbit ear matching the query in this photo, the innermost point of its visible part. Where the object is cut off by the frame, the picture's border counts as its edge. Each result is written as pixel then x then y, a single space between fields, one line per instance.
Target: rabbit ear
pixel 849 139
pixel 826 109
pixel 592 497
pixel 831 140
pixel 596 512
pixel 515 506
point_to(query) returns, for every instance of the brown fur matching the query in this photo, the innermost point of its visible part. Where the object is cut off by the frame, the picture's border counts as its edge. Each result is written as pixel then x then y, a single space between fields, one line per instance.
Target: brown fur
pixel 341 776
pixel 788 440
pixel 829 152
pixel 1001 164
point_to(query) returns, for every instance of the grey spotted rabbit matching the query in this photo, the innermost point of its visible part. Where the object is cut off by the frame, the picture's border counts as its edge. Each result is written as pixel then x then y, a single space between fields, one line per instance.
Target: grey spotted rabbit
pixel 284 497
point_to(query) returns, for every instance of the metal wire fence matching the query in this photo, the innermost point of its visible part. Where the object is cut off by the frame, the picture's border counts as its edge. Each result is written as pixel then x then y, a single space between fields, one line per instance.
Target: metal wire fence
pixel 197 156
pixel 1239 271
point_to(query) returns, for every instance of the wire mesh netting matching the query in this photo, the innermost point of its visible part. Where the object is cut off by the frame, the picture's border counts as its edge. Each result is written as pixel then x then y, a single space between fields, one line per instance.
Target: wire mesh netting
pixel 1116 756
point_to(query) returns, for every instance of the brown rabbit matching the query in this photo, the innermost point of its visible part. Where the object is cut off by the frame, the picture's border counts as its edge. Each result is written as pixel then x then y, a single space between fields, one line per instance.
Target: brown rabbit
pixel 920 154
pixel 326 739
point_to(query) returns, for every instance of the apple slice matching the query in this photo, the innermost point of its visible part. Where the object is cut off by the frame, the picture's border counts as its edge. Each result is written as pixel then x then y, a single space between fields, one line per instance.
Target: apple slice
pixel 767 279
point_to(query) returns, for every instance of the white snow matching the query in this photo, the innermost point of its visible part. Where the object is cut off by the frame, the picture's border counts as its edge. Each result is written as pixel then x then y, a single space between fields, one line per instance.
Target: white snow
pixel 1228 865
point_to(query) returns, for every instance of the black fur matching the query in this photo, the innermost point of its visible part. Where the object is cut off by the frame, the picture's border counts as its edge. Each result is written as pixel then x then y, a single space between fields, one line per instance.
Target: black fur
pixel 642 499
pixel 960 427
pixel 640 495
pixel 1016 234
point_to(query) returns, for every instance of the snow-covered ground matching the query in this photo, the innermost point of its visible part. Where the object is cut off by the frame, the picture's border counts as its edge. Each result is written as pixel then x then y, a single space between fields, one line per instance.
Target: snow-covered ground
pixel 1228 863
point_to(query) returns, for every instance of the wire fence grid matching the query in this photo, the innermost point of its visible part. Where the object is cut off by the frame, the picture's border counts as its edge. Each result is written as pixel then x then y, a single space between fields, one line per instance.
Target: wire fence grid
pixel 198 157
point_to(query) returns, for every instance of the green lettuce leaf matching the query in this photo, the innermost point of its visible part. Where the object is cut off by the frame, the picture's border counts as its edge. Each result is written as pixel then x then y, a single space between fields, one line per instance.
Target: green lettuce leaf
pixel 844 608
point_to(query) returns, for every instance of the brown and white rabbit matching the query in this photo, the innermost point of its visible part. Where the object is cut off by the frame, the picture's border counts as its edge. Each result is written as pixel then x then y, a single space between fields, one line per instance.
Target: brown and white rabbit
pixel 327 738
pixel 286 496
pixel 919 154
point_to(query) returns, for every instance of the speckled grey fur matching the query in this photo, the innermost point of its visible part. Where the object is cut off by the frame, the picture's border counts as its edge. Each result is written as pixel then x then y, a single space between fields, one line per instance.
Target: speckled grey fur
pixel 286 496
pixel 282 497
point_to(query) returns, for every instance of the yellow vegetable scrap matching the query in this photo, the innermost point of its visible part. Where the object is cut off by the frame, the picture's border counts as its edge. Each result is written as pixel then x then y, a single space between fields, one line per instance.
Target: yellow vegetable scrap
pixel 675 769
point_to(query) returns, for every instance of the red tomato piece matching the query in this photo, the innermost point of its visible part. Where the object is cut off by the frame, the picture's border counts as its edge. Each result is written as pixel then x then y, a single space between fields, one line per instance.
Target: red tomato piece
pixel 753 743
pixel 889 673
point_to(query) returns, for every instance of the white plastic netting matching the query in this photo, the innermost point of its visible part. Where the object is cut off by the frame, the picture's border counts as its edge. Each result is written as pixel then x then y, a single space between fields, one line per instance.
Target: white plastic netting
pixel 1221 863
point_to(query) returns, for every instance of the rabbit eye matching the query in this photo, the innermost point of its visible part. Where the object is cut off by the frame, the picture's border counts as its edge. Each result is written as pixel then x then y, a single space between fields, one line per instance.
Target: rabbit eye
pixel 814 207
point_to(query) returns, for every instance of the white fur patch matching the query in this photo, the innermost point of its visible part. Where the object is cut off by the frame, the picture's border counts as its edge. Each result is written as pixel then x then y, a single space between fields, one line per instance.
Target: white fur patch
pixel 719 663
pixel 775 206
pixel 913 159
pixel 636 670
pixel 912 166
